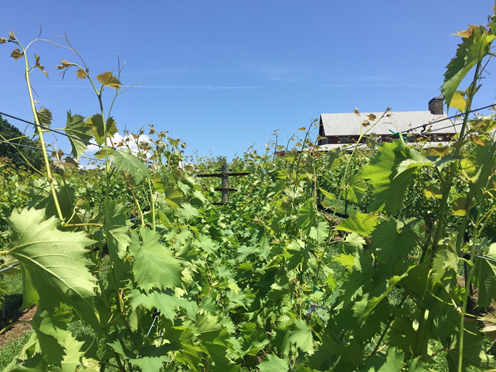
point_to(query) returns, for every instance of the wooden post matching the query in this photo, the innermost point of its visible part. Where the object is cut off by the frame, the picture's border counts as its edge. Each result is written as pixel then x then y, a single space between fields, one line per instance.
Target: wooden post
pixel 225 183
pixel 224 175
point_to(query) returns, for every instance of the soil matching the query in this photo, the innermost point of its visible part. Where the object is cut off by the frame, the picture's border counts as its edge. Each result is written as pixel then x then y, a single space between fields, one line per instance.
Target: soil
pixel 19 329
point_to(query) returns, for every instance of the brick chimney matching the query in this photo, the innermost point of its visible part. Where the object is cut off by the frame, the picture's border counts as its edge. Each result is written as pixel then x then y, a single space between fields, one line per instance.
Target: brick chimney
pixel 436 106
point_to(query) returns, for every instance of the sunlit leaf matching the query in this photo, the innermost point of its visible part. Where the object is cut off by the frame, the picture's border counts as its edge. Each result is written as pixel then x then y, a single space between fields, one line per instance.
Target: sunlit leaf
pixel 360 223
pixel 81 74
pixel 458 101
pixel 461 206
pixel 173 197
pixel 154 264
pixel 165 303
pixel 433 192
pixel 382 172
pixel 475 139
pixel 302 336
pixel 125 161
pixel 108 79
pixel 470 52
pixel 56 261
pixel 79 134
pixel 319 232
pixel 274 364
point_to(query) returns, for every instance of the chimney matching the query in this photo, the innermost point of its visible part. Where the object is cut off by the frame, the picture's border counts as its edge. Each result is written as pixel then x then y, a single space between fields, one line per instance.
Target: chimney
pixel 436 106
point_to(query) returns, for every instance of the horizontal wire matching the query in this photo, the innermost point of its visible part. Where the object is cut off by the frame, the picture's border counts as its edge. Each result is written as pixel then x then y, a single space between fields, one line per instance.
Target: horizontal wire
pixel 20 145
pixel 87 142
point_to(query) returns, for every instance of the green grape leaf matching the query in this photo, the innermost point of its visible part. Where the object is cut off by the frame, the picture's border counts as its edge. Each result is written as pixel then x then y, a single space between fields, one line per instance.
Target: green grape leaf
pixel 485 276
pixel 319 232
pixel 51 333
pixel 327 194
pixel 151 358
pixel 206 244
pixel 389 186
pixel 108 79
pixel 154 264
pixel 347 260
pixel 101 131
pixel 394 361
pixel 306 214
pixel 116 229
pixel 55 260
pixel 274 364
pixel 79 134
pixel 124 160
pixel 173 197
pixel 444 264
pixel 360 223
pixel 474 353
pixel 44 117
pixel 355 189
pixel 163 302
pixel 470 52
pixel 96 124
pixel 302 336
pixel 392 246
pixel 352 243
pixel 73 355
pixel 189 212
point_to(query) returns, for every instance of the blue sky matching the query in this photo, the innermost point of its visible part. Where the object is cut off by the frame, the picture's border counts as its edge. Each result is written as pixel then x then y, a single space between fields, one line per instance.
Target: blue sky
pixel 223 75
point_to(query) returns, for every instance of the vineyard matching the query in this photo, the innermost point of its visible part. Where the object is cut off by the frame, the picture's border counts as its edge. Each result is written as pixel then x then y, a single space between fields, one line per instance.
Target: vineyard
pixel 379 257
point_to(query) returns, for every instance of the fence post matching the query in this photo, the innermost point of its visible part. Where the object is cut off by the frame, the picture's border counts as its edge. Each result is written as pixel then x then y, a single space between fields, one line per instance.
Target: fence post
pixel 225 183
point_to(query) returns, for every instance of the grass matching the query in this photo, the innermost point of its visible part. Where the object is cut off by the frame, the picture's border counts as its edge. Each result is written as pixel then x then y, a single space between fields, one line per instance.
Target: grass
pixel 11 302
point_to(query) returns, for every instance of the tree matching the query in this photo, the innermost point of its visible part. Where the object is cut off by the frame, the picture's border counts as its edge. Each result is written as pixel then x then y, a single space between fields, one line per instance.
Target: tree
pixel 31 153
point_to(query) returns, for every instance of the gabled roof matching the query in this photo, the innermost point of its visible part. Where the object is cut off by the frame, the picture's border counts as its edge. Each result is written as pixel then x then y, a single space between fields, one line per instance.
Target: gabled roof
pixel 349 124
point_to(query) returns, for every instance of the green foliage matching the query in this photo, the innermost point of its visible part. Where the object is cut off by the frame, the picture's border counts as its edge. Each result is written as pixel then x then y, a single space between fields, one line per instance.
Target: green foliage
pixel 274 280
pixel 18 155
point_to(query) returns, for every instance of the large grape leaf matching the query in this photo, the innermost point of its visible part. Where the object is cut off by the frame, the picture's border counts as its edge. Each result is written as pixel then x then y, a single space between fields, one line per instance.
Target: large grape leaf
pixel 55 261
pixel 124 160
pixel 79 134
pixel 470 52
pixel 116 228
pixel 485 276
pixel 302 336
pixel 51 332
pixel 101 131
pixel 391 245
pixel 360 223
pixel 163 302
pixel 274 364
pixel 108 79
pixel 389 185
pixel 154 264
pixel 151 358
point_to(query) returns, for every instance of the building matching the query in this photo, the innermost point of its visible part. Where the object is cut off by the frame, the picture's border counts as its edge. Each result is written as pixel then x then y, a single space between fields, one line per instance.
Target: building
pixel 343 130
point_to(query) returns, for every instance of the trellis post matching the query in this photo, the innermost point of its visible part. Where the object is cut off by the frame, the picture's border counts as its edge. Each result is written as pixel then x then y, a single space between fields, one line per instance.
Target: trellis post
pixel 224 175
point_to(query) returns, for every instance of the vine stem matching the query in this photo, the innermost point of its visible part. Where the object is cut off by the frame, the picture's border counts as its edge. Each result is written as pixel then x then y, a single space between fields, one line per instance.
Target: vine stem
pixel 388 325
pixel 40 133
pixel 420 346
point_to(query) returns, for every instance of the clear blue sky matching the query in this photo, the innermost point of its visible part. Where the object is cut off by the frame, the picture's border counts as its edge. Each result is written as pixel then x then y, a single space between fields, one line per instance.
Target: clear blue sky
pixel 223 75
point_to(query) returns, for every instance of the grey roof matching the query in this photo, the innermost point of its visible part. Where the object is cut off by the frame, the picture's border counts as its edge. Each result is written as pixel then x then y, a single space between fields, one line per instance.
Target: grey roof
pixel 349 124
pixel 351 146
